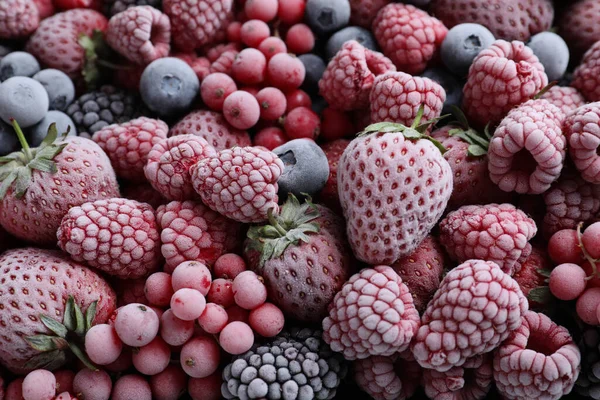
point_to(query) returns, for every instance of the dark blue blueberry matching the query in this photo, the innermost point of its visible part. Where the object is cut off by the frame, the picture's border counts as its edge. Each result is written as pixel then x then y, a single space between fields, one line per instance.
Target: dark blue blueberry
pixel 59 86
pixel 327 16
pixel 552 52
pixel 38 132
pixel 462 44
pixel 451 84
pixel 314 67
pixel 23 99
pixel 361 35
pixel 318 104
pixel 169 86
pixel 18 63
pixel 306 167
pixel 8 139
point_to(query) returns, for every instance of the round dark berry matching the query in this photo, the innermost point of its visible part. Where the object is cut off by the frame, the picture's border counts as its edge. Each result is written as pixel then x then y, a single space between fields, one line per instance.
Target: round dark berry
pixel 451 84
pixel 361 35
pixel 60 88
pixel 314 66
pixel 18 63
pixel 462 44
pixel 38 132
pixel 552 52
pixel 327 16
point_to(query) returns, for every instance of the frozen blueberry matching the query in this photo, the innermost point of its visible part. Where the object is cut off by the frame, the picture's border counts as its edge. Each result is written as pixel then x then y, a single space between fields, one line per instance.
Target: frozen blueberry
pixel 318 104
pixel 306 168
pixel 18 63
pixel 8 139
pixel 4 51
pixel 314 67
pixel 553 53
pixel 462 44
pixel 327 16
pixel 23 99
pixel 59 86
pixel 361 35
pixel 451 84
pixel 169 86
pixel 38 132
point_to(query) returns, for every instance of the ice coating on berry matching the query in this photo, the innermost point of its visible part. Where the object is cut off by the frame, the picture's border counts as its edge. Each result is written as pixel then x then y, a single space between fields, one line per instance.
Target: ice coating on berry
pixel 585 76
pixel 208 388
pixel 168 384
pixel 221 292
pixel 188 304
pixel 564 97
pixel 102 344
pixel 542 355
pixel 152 358
pixel 18 18
pixel 200 357
pixel 215 88
pixel 136 324
pixel 236 337
pixel 92 385
pixel 493 232
pixel 118 236
pixel 567 281
pixel 193 275
pixel 175 331
pixel 241 109
pixel 587 306
pixel 372 315
pixel 229 266
pixel 267 320
pixel 158 289
pixel 132 386
pixel 249 290
pixel 583 135
pixel 39 385
pixel 473 311
pixel 213 318
pixel 394 377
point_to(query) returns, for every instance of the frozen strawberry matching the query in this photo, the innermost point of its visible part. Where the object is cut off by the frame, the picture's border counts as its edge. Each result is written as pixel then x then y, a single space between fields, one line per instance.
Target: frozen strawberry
pixel 18 19
pixel 578 25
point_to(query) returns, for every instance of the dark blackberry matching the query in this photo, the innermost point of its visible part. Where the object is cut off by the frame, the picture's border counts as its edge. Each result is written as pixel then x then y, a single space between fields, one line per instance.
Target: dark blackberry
pixel 108 105
pixel 588 383
pixel 112 7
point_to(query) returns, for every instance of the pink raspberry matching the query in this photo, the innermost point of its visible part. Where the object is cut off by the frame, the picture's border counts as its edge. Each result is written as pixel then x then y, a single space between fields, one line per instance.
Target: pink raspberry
pixel 473 311
pixel 542 355
pixel 241 109
pixel 18 18
pixel 388 377
pixel 144 193
pixel 239 183
pixel 350 74
pixel 140 34
pixel 194 23
pixel 117 236
pixel 408 36
pixel 363 12
pixel 585 77
pixel 472 381
pixel 193 232
pixel 583 134
pixel 215 88
pixel 373 315
pixel 200 65
pixel 213 127
pixel 527 151
pixel 492 232
pixel 564 97
pixel 214 52
pixel 224 63
pixel 501 77
pixel 169 163
pixel 128 144
pixel 397 97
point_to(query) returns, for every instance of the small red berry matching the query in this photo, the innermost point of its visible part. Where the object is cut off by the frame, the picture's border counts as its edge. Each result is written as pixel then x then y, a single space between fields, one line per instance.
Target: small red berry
pixel 249 67
pixel 302 122
pixel 271 46
pixel 253 90
pixel 285 72
pixel 234 32
pixel 291 11
pixel 591 240
pixel 270 138
pixel 254 31
pixel 241 110
pixel 297 98
pixel 272 103
pixel 265 10
pixel 567 281
pixel 563 247
pixel 300 39
pixel 335 124
pixel 215 88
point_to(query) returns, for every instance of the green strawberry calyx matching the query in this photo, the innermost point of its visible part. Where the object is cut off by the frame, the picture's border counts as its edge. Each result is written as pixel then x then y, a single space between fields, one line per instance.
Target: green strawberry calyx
pixel 414 132
pixel 65 336
pixel 478 144
pixel 18 167
pixel 290 226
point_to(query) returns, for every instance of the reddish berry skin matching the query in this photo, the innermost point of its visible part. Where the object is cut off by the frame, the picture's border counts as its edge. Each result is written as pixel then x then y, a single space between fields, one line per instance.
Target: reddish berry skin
pixel 302 122
pixel 216 51
pixel 271 46
pixel 587 306
pixel 285 72
pixel 264 10
pixel 362 13
pixel 416 43
pixel 70 4
pixel 208 388
pixel 269 138
pixel 567 281
pixel 335 124
pixel 18 19
pixel 141 34
pixel 234 32
pixel 128 144
pixel 131 386
pixel 291 11
pixel 249 67
pixel 253 32
pixel 300 39
pixel 200 65
pixel 221 292
pixel 158 289
pixel 229 266
pixel 578 26
pixel 585 77
pixel 584 140
pixel 200 357
pixel 329 194
pixel 564 97
pixel 267 320
pixel 591 240
pixel 45 9
pixel 272 103
pixel 563 247
pixel 168 384
pixel 215 88
pixel 297 98
pixel 241 109
pixel 175 331
pixel 349 76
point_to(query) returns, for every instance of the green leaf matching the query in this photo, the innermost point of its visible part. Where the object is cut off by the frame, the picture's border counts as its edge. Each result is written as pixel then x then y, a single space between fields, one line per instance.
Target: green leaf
pixel 69 320
pixel 79 321
pixel 460 134
pixel 16 156
pixel 544 90
pixel 412 134
pixel 51 136
pixel 544 272
pixel 475 150
pixel 487 131
pixel 42 164
pixel 50 360
pixel 7 182
pixel 45 343
pixel 82 356
pixel 418 117
pixel 460 116
pixel 437 144
pixel 474 135
pixel 55 326
pixel 90 314
pixel 540 294
pixel 22 182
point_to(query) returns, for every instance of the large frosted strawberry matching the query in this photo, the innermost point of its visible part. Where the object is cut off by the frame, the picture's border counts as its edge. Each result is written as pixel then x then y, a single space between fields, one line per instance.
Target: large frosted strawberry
pixel 302 256
pixel 42 295
pixel 39 185
pixel 394 185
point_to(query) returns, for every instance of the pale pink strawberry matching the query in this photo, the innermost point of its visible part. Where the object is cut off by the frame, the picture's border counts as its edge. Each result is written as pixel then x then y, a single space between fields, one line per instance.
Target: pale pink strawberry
pixel 18 18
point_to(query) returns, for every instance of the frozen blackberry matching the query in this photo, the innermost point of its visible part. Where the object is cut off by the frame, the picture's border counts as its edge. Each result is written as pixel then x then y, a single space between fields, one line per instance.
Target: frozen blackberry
pixel 588 383
pixel 283 368
pixel 108 105
pixel 112 7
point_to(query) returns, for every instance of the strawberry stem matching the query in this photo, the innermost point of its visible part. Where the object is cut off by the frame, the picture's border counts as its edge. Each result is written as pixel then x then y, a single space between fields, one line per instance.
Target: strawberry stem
pixel 21 138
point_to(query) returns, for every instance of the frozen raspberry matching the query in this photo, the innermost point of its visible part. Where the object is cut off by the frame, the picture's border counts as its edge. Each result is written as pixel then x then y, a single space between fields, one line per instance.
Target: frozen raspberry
pixel 397 97
pixel 492 232
pixel 421 271
pixel 272 103
pixel 141 34
pixel 193 232
pixel 241 109
pixel 527 152
pixel 249 67
pixel 302 122
pixel 18 18
pixel 200 65
pixel 585 77
pixel 133 386
pixel 169 163
pixel 579 26
pixel 271 46
pixel 239 183
pixel 363 12
pixel 501 77
pixel 542 355
pixel 372 315
pixel 581 130
pixel 128 144
pixel 215 88
pixel 473 311
pixel 253 32
pixel 300 39
pixel 195 24
pixel 214 52
pixel 168 384
pixel 224 62
pixel 285 72
pixel 117 236
pixel 213 127
pixel 408 36
pixel 388 377
pixel 564 97
pixel 472 381
pixel 350 74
